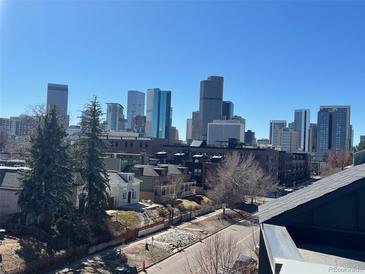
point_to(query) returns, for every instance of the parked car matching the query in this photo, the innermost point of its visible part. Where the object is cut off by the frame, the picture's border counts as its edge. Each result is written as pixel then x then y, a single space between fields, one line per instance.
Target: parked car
pixel 126 269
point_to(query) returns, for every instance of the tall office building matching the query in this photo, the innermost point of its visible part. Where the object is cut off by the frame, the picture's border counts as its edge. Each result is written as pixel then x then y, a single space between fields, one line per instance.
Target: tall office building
pixel 196 131
pixel 227 110
pixel 189 129
pixel 313 138
pixel 362 138
pixel 158 116
pixel 221 131
pixel 135 105
pixel 211 99
pixel 57 97
pixel 115 117
pixel 139 124
pixel 173 134
pixel 250 138
pixel 301 125
pixel 334 129
pixel 289 139
pixel 275 127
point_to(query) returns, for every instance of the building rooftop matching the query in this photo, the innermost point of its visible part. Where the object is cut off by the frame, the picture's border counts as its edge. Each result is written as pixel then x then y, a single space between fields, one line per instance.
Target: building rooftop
pixel 314 191
pixel 286 258
pixel 10 179
pixel 196 143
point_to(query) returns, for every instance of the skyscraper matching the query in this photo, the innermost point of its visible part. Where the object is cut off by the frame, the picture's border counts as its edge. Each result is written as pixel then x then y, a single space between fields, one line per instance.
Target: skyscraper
pixel 189 129
pixel 196 131
pixel 173 134
pixel 275 127
pixel 135 105
pixel 158 116
pixel 139 124
pixel 313 138
pixel 115 117
pixel 301 125
pixel 334 130
pixel 211 99
pixel 57 97
pixel 289 139
pixel 227 110
pixel 362 138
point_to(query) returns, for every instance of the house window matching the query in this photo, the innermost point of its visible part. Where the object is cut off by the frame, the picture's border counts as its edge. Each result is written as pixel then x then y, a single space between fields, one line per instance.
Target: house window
pixel 134 195
pixel 163 192
pixel 197 172
pixel 124 195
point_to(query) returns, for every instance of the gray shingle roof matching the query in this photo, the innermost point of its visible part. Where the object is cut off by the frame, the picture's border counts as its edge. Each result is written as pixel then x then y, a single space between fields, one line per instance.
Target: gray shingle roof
pixel 314 191
pixel 10 179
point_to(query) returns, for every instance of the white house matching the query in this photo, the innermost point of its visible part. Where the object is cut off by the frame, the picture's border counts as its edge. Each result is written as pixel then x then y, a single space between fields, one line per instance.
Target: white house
pixel 124 188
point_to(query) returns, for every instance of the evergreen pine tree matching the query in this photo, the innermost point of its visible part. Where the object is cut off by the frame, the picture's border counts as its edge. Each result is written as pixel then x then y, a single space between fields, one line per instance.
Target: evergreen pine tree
pixel 93 169
pixel 47 187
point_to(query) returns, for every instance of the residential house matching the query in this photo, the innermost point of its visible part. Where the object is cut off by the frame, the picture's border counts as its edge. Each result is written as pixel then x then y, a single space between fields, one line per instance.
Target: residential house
pixel 164 182
pixel 124 189
pixel 10 184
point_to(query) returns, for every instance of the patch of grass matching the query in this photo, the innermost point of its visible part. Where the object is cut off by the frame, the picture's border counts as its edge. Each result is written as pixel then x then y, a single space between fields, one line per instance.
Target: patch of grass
pixel 188 205
pixel 129 219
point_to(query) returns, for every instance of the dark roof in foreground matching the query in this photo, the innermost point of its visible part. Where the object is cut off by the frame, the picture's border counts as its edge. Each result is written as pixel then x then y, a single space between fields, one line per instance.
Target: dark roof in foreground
pixel 309 193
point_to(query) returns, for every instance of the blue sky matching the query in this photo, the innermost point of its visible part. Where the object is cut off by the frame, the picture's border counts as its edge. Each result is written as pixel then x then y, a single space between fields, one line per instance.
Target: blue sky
pixel 275 56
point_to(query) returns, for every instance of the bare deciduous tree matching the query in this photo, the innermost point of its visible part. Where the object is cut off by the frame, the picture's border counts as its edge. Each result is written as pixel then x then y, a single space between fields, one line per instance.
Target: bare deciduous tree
pixel 238 177
pixel 253 246
pixel 17 149
pixel 218 255
pixel 336 161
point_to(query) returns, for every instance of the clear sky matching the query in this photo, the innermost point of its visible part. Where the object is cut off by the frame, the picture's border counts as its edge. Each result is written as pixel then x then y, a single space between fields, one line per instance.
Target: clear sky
pixel 275 56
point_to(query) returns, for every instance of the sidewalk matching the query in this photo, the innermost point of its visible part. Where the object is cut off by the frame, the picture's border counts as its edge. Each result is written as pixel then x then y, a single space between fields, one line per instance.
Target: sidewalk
pixel 161 245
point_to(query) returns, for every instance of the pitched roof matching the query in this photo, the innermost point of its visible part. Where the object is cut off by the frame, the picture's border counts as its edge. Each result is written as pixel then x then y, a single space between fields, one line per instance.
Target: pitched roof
pixel 171 169
pixel 10 179
pixel 309 193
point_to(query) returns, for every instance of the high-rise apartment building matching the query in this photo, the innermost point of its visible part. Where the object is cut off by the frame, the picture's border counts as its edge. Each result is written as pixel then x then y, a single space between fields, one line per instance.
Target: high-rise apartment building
pixel 334 129
pixel 158 115
pixel 115 117
pixel 135 106
pixel 211 99
pixel 275 133
pixel 18 126
pixel 227 110
pixel 57 97
pixel 301 125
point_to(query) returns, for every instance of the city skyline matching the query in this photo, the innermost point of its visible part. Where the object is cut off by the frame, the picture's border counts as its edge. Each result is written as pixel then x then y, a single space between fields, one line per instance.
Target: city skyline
pixel 268 74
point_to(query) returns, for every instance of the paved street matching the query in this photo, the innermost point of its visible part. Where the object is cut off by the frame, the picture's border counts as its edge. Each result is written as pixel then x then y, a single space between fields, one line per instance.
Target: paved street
pixel 241 233
pixel 107 260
